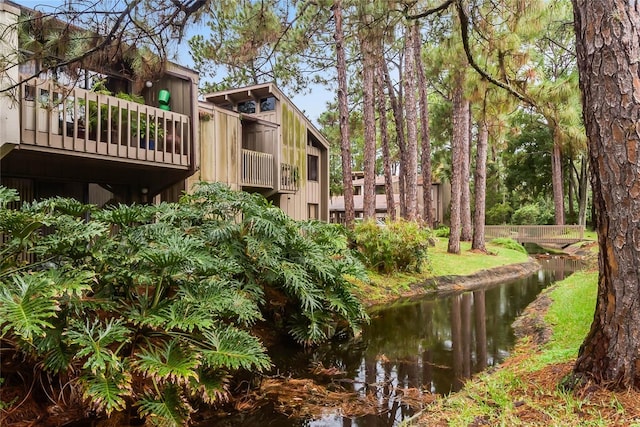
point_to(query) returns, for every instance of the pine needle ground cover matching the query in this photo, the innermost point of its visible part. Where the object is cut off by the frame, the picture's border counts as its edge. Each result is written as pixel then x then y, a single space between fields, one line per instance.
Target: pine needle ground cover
pixel 525 390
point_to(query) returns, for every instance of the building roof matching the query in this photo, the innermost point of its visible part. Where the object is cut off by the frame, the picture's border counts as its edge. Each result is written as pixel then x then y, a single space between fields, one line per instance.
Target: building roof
pixel 337 203
pixel 379 180
pixel 224 97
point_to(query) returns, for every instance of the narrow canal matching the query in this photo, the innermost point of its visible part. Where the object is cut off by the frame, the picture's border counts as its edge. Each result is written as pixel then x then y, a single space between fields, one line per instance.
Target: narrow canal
pixel 414 346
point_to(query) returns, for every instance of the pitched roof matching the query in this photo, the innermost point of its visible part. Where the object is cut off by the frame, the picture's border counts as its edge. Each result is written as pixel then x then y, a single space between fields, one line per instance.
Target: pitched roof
pixel 337 202
pixel 258 91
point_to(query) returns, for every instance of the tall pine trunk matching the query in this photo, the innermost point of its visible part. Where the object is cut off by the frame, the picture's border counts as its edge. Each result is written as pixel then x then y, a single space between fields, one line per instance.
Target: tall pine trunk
pixel 572 187
pixel 608 46
pixel 465 191
pixel 582 191
pixel 343 109
pixel 369 115
pixel 459 137
pixel 384 142
pixel 411 173
pixel 425 158
pixel 398 117
pixel 556 177
pixel 480 186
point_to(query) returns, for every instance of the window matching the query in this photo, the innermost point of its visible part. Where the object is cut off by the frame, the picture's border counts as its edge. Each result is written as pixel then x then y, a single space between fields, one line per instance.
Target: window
pixel 380 189
pixel 248 107
pixel 312 167
pixel 314 211
pixel 268 104
pixel 357 190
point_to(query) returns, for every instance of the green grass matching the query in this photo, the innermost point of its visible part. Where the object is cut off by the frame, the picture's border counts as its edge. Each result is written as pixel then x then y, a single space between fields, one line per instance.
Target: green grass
pixel 590 235
pixel 491 395
pixel 439 263
pixel 570 315
pixel 445 264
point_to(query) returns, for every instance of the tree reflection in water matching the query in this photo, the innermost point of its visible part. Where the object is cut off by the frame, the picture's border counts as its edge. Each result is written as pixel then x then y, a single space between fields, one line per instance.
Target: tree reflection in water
pixel 431 344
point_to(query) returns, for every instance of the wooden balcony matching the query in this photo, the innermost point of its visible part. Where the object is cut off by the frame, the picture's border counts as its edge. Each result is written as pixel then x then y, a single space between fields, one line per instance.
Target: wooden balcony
pixel 257 169
pixel 79 122
pixel 258 172
pixel 289 178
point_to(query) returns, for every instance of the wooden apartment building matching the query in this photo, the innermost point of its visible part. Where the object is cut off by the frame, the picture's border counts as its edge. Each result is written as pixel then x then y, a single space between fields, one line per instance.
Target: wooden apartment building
pixel 255 139
pixel 145 141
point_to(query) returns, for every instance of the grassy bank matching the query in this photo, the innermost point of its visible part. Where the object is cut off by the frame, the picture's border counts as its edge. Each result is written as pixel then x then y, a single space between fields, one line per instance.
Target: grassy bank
pixel 468 262
pixel 439 263
pixel 524 390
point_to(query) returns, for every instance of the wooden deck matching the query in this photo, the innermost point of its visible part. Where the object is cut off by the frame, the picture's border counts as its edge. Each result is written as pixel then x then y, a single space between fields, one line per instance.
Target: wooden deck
pixel 85 123
pixel 540 234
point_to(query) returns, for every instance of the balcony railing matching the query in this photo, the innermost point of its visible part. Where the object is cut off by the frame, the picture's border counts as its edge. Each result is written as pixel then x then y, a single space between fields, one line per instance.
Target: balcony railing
pixel 98 125
pixel 257 169
pixel 289 177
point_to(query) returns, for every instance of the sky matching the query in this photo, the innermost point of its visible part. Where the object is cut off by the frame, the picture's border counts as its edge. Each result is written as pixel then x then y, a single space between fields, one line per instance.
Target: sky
pixel 312 102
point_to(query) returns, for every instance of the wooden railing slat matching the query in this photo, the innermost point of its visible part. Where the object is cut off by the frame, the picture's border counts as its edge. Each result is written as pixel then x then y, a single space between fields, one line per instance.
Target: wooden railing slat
pixel 118 121
pixel 257 168
pixel 537 233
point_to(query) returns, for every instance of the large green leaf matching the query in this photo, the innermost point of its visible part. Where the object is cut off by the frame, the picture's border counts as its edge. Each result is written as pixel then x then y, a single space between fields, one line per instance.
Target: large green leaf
pixel 57 355
pixel 297 282
pixel 8 195
pixel 107 391
pixel 27 306
pixel 310 327
pixel 169 361
pixel 94 340
pixel 169 409
pixel 212 386
pixel 231 348
pixel 124 215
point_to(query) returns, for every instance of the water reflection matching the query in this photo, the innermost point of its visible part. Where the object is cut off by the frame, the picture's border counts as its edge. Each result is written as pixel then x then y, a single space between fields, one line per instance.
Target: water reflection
pixel 430 345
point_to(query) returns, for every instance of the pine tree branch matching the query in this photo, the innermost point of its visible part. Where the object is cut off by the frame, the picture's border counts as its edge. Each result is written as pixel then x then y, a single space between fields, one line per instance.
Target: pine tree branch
pixel 428 12
pixel 464 31
pixel 113 34
pixel 176 19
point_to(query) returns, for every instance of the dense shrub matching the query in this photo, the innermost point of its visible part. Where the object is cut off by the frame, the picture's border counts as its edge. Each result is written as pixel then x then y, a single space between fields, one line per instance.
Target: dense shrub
pixel 509 244
pixel 539 213
pixel 151 308
pixel 397 246
pixel 547 212
pixel 526 215
pixel 498 214
pixel 442 231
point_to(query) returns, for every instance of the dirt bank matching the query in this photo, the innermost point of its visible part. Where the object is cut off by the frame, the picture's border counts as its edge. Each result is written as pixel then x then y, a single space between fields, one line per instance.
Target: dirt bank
pixel 443 285
pixel 448 284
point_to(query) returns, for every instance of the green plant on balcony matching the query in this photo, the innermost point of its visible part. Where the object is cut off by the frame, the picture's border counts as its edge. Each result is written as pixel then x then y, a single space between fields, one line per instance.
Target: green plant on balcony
pixel 126 116
pixel 91 111
pixel 99 119
pixel 147 131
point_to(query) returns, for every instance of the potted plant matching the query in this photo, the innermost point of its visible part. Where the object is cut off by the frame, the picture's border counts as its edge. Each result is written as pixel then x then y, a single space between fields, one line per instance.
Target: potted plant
pixel 148 130
pixel 106 126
